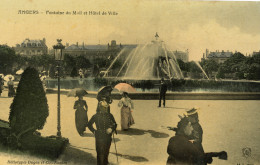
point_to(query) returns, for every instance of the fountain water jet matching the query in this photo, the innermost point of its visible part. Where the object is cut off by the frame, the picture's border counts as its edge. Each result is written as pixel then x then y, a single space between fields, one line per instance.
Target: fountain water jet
pixel 150 61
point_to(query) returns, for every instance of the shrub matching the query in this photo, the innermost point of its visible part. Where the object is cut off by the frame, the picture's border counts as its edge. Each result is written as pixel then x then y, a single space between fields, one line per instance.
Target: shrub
pixel 29 109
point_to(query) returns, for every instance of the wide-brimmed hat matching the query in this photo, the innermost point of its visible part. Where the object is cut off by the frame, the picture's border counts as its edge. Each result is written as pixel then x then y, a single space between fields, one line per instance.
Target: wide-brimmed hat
pixel 192 111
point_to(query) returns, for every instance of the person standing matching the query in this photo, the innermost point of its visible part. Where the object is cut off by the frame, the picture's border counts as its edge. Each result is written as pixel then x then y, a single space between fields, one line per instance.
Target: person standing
pixel 81 116
pixel 126 105
pixel 105 126
pixel 163 90
pixel 1 85
pixel 181 150
pixel 197 132
pixel 10 84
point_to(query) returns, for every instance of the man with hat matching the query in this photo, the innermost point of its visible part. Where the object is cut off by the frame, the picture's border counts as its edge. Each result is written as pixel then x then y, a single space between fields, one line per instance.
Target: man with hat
pixel 105 126
pixel 196 136
pixel 163 90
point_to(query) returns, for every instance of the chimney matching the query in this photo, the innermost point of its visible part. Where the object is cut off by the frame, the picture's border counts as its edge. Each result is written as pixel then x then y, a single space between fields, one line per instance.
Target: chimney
pixel 44 40
pixel 83 45
pixel 77 44
pixel 67 44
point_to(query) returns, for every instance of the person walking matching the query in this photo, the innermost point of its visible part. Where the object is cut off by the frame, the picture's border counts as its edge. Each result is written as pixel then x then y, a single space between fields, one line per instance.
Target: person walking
pixel 11 91
pixel 81 116
pixel 126 105
pixel 163 90
pixel 105 126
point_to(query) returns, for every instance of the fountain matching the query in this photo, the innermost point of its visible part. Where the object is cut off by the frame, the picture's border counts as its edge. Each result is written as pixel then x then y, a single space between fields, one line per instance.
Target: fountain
pixel 148 62
pixel 145 65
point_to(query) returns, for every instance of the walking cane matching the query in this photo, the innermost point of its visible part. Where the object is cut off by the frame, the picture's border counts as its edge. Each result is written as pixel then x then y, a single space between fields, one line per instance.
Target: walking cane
pixel 115 147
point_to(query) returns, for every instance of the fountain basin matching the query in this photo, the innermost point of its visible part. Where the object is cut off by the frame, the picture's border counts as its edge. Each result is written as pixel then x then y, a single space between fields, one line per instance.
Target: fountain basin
pixel 176 95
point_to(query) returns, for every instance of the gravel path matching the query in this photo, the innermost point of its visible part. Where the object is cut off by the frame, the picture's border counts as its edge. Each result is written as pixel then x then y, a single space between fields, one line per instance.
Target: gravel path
pixel 228 125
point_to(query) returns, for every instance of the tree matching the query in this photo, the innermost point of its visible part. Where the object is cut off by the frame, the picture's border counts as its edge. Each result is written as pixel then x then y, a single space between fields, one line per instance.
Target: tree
pixel 29 109
pixel 69 62
pixel 74 72
pixel 46 60
pixel 182 65
pixel 82 62
pixel 7 59
pixel 209 66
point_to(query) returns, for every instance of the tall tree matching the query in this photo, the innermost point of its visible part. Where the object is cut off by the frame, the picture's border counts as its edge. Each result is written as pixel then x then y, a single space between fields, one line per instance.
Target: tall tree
pixel 29 109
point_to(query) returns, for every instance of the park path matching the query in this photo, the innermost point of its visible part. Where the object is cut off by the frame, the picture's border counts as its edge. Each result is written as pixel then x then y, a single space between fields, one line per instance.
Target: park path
pixel 228 125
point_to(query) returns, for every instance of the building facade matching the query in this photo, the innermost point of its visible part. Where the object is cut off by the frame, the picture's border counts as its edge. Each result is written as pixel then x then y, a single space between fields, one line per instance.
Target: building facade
pixel 184 56
pixel 217 56
pixel 92 52
pixel 31 47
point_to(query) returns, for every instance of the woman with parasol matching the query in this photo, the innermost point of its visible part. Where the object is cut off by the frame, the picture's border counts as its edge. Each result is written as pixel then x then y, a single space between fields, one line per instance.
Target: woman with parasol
pixel 126 105
pixel 81 116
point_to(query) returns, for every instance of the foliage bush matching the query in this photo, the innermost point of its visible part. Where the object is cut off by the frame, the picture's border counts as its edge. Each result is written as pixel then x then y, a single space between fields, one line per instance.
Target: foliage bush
pixel 29 109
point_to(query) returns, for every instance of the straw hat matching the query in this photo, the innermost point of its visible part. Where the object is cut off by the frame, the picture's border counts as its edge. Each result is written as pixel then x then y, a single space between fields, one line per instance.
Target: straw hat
pixel 192 111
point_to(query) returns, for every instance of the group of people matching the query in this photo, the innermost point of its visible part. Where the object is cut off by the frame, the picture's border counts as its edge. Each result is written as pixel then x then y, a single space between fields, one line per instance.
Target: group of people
pixel 186 146
pixel 104 121
pixel 10 84
pixel 183 148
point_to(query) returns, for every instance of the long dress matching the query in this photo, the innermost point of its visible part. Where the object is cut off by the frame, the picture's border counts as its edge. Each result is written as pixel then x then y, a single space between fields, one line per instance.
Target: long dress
pixel 126 116
pixel 11 91
pixel 81 116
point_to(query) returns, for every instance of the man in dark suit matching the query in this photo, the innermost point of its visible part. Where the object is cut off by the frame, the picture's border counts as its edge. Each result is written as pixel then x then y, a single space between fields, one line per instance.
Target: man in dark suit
pixel 106 125
pixel 163 90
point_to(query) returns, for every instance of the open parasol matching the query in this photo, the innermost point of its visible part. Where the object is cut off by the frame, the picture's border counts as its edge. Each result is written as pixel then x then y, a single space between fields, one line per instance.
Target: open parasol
pixel 105 90
pixel 77 92
pixel 124 87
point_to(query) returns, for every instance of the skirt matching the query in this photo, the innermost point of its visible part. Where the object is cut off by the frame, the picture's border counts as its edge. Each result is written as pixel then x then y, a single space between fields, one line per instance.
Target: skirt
pixel 126 118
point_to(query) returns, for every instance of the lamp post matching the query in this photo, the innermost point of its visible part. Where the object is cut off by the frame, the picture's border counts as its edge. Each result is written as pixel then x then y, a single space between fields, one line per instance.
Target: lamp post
pixel 58 54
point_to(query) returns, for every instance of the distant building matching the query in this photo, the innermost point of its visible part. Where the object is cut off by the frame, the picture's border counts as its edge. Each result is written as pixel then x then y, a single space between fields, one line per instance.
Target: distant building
pixel 92 52
pixel 31 47
pixel 254 53
pixel 217 56
pixel 184 56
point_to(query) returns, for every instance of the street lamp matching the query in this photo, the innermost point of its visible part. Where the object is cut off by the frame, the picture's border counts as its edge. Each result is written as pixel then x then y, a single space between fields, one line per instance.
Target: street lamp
pixel 58 55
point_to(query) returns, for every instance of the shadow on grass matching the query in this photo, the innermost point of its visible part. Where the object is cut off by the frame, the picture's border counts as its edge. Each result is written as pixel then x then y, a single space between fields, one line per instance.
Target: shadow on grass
pixel 135 131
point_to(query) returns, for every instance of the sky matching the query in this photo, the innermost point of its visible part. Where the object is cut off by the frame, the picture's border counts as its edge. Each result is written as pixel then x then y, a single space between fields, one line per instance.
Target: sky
pixel 182 25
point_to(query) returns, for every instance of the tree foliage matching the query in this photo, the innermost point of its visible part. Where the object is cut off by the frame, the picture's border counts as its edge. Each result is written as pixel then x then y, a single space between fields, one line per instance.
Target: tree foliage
pixel 29 109
pixel 7 58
